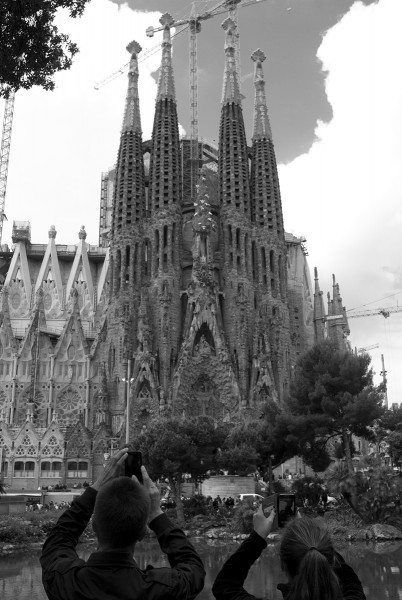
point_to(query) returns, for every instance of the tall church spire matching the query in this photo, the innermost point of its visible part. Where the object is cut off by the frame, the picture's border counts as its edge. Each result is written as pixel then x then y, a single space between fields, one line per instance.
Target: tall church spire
pixel 234 185
pixel 129 189
pixel 165 171
pixel 266 205
pixel 262 127
pixel 319 310
pixel 231 87
pixel 166 88
pixel 132 117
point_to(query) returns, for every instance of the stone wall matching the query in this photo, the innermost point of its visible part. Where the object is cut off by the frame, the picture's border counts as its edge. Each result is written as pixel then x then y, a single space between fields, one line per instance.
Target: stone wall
pixel 227 485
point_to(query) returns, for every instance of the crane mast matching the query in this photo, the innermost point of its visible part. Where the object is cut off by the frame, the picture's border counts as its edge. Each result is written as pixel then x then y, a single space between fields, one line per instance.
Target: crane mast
pixel 5 154
pixel 195 27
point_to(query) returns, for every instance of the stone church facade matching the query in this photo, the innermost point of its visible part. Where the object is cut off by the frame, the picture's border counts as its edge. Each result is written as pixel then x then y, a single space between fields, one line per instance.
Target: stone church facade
pixel 194 302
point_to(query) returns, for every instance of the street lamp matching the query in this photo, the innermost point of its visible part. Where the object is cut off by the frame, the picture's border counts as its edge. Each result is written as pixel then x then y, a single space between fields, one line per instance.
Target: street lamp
pixel 128 382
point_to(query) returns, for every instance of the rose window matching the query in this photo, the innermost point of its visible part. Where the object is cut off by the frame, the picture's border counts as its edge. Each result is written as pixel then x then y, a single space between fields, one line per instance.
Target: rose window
pixel 68 405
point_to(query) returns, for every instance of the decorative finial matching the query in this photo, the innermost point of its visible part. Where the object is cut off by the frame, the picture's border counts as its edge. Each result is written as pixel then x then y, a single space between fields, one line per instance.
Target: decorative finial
pixel 229 25
pixel 166 20
pixel 134 47
pixel 315 273
pixel 52 232
pixel 258 56
pixel 82 234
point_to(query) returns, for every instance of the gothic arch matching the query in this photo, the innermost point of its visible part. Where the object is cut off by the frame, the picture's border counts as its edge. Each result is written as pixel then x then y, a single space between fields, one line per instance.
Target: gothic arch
pixel 204 343
pixel 52 447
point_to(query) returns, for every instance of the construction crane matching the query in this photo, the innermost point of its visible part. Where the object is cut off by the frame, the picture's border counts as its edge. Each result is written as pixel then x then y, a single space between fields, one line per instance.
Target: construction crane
pixel 194 25
pixel 144 55
pixel 385 312
pixel 5 154
pixel 367 348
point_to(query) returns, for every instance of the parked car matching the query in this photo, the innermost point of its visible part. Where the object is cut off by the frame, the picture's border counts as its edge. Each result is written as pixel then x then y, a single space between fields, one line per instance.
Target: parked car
pixel 254 498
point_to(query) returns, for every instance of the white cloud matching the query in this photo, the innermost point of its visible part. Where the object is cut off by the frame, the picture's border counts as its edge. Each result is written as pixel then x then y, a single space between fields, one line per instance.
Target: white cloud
pixel 345 194
pixel 63 140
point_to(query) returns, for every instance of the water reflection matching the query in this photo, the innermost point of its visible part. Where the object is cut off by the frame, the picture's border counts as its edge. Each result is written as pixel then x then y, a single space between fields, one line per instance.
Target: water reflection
pixel 379 568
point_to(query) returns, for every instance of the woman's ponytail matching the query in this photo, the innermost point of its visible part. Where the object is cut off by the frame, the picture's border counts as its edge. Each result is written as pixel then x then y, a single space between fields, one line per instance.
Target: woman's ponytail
pixel 307 555
pixel 315 579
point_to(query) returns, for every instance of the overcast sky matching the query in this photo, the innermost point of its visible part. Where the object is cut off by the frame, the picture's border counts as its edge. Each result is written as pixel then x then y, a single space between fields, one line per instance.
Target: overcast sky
pixel 334 98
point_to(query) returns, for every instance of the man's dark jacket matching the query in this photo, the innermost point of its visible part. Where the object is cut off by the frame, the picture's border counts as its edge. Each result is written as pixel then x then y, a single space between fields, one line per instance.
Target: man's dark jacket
pixel 114 575
pixel 229 582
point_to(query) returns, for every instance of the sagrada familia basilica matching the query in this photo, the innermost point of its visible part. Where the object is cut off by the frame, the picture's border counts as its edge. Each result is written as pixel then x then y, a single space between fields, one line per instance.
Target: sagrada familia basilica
pixel 196 301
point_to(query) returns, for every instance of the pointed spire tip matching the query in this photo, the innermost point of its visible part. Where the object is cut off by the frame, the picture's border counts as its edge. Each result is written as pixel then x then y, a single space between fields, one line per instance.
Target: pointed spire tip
pixel 134 47
pixel 166 20
pixel 258 56
pixel 228 24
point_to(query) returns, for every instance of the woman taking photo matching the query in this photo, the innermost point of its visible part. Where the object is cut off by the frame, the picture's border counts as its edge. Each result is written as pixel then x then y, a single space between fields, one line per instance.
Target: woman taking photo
pixel 314 569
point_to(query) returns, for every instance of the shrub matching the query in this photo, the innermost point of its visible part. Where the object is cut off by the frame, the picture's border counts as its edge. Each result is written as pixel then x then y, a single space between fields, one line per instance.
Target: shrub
pixel 196 505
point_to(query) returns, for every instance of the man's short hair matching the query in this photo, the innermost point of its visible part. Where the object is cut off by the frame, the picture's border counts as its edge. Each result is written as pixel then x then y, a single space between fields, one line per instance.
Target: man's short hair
pixel 121 512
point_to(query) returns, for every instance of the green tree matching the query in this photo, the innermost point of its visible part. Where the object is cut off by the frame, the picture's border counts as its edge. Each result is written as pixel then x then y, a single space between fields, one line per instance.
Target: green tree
pixel 173 446
pixel 252 444
pixel 32 49
pixel 332 396
pixel 394 439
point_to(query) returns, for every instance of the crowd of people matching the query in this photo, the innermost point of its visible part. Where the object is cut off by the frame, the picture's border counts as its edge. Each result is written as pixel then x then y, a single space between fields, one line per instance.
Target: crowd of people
pixel 34 506
pixel 122 508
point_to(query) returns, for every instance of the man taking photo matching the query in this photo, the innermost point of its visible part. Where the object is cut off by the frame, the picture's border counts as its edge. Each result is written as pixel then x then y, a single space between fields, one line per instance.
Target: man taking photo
pixel 121 508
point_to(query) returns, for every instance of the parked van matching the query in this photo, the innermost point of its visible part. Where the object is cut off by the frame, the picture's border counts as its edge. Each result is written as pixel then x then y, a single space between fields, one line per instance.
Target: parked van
pixel 255 498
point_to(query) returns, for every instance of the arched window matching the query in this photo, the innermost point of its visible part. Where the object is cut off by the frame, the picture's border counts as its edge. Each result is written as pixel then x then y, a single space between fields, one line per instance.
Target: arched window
pixel 18 469
pixel 264 266
pixel 71 468
pixel 82 469
pixel 56 468
pixel 29 469
pixel 45 469
pixel 77 469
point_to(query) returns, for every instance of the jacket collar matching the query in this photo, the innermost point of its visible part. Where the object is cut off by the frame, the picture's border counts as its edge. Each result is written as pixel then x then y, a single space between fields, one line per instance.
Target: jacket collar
pixel 112 559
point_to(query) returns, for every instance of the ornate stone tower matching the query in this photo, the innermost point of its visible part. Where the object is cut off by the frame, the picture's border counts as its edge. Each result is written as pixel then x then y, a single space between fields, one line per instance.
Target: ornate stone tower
pixel 268 252
pixel 234 199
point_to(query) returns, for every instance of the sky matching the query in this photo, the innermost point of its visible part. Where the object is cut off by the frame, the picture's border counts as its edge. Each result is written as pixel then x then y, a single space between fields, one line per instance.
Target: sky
pixel 334 98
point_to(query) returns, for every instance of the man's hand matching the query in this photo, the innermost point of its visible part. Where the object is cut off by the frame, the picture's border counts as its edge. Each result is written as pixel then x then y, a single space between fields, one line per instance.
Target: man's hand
pixel 112 469
pixel 154 495
pixel 262 524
